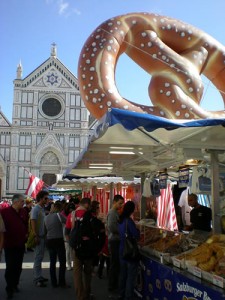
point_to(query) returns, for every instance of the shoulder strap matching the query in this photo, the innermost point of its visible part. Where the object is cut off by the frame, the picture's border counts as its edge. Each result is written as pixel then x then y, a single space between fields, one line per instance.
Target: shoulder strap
pixel 58 215
pixel 126 231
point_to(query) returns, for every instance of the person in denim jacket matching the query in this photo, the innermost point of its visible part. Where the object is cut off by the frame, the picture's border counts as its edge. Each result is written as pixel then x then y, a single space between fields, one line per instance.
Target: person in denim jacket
pixel 128 268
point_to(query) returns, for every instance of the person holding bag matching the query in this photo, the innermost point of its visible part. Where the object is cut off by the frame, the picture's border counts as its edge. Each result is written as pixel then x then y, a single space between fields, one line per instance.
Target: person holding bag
pixel 53 223
pixel 129 254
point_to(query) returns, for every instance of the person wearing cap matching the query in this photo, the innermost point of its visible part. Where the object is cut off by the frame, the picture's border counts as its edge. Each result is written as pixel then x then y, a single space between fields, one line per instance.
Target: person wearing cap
pixel 15 236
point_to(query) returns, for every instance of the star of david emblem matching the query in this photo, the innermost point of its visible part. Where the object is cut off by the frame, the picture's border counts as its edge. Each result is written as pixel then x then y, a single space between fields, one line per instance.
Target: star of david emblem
pixel 52 78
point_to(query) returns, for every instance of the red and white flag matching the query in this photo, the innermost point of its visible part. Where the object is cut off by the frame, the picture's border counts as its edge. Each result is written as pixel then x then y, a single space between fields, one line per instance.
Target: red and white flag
pixel 35 186
pixel 166 215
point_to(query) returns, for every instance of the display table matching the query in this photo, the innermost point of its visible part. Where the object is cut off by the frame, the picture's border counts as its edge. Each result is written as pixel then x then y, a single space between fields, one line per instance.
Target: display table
pixel 158 281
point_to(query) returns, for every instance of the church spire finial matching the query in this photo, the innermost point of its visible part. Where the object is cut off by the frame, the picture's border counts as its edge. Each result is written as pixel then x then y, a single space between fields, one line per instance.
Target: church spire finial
pixel 19 71
pixel 54 50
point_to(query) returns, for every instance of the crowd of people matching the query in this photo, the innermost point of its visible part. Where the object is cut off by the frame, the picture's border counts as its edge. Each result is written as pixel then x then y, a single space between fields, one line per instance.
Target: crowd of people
pixel 27 225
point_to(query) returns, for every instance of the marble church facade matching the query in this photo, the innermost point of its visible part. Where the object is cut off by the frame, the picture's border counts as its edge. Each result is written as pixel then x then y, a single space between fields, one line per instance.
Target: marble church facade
pixel 50 126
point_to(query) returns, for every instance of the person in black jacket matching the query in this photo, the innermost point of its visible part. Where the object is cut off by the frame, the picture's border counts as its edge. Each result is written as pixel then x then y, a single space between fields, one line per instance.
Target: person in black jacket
pixel 99 230
pixel 200 216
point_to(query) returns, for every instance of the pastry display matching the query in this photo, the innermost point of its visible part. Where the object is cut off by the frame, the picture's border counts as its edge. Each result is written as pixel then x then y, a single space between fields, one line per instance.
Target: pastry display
pixel 209 257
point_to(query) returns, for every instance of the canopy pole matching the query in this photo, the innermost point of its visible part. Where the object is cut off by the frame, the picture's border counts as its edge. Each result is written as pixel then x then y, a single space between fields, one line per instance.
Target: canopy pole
pixel 215 192
pixel 111 193
pixel 143 199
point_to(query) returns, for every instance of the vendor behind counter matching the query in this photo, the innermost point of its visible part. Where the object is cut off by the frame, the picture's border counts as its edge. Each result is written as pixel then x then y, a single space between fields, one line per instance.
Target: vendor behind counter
pixel 200 216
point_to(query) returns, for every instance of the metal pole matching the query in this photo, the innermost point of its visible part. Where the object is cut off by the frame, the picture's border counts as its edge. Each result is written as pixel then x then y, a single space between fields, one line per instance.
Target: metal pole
pixel 215 192
pixel 111 194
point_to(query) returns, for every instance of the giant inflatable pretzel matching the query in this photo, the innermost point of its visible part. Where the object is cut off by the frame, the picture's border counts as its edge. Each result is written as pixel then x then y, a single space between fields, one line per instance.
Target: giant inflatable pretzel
pixel 172 52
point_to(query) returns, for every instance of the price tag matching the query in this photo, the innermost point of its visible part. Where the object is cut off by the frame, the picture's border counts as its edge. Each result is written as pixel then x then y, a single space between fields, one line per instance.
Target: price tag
pixel 176 262
pixel 197 272
pixel 217 280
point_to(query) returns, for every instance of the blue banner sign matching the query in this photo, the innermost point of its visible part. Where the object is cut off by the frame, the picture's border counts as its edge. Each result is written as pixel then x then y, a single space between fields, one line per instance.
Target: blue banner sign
pixel 157 281
pixel 183 178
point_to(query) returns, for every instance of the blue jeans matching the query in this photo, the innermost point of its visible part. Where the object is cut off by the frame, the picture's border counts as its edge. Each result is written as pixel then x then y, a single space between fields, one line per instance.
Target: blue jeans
pixel 128 273
pixel 56 249
pixel 39 252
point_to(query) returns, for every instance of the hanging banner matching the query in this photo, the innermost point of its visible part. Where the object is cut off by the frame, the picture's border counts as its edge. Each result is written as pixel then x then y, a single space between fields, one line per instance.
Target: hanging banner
pixel 200 181
pixel 163 181
pixel 183 178
pixel 166 215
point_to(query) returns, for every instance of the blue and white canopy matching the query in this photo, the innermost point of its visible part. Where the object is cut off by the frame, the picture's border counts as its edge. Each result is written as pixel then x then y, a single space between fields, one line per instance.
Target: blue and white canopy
pixel 126 143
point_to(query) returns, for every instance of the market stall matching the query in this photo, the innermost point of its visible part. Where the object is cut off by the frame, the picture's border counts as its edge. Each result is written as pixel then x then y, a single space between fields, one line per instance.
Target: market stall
pixel 137 144
pixel 128 144
pixel 104 188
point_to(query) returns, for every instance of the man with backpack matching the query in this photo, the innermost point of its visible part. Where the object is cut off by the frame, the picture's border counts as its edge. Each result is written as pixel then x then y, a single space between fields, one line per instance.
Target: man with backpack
pixel 82 264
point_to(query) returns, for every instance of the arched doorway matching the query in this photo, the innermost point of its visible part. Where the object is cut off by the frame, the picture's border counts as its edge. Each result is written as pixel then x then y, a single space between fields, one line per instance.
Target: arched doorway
pixel 49 179
pixel 49 167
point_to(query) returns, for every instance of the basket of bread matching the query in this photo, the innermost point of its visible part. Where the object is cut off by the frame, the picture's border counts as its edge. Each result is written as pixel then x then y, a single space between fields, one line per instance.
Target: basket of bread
pixel 206 260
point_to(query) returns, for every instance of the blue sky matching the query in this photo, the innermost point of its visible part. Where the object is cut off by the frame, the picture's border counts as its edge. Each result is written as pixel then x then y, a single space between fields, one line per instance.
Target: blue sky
pixel 29 27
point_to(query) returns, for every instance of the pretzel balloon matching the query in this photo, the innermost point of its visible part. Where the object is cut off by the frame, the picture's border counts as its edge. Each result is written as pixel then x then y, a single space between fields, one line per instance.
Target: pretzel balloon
pixel 172 52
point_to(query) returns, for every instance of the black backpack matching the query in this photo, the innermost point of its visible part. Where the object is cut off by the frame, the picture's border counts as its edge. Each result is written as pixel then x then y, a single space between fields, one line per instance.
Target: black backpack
pixel 84 237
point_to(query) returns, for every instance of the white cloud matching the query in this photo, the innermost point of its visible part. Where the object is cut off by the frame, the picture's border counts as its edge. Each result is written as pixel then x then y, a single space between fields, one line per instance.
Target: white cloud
pixel 63 7
pixel 76 11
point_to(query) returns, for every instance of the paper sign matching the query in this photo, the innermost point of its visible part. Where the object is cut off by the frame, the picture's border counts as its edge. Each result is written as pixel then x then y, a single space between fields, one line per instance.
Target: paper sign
pixel 176 262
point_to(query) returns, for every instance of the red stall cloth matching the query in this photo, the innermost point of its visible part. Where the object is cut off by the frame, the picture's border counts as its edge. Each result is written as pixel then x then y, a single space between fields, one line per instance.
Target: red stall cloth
pixel 166 215
pixel 129 193
pixel 87 195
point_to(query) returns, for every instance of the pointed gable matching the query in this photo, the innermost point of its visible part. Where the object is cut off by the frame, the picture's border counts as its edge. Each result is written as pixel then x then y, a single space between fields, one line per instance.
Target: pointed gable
pixel 4 121
pixel 50 140
pixel 50 143
pixel 52 74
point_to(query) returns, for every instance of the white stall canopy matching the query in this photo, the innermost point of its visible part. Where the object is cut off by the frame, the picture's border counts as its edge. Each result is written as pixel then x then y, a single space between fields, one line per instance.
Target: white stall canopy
pixel 86 182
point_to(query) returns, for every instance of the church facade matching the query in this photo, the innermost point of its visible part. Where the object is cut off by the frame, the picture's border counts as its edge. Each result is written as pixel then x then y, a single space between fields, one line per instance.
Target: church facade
pixel 49 129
